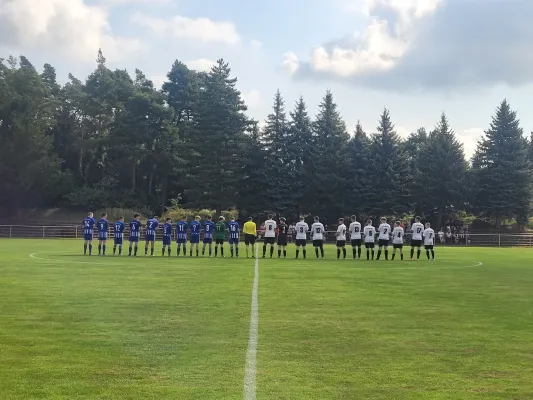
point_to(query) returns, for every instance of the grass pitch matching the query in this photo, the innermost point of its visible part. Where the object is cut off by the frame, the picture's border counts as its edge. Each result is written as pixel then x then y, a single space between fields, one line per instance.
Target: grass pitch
pixel 74 327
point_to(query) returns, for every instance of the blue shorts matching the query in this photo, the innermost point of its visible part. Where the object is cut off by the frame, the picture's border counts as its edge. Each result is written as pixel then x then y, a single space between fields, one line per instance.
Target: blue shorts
pixel 181 240
pixel 150 238
pixel 102 236
pixel 208 240
pixel 88 236
pixel 134 239
pixel 195 239
pixel 233 240
pixel 118 241
pixel 167 240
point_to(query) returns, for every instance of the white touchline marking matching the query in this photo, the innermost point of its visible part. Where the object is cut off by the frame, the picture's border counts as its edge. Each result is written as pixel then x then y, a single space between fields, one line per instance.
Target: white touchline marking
pixel 251 363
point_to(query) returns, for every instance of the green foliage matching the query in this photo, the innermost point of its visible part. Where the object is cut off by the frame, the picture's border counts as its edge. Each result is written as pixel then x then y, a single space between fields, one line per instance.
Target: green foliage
pixel 178 213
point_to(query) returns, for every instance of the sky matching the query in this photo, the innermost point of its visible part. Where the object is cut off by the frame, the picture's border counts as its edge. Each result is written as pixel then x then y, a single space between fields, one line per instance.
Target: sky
pixel 418 58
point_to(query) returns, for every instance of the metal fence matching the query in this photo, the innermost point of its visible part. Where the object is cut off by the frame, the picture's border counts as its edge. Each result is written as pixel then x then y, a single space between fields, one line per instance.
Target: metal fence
pixel 76 232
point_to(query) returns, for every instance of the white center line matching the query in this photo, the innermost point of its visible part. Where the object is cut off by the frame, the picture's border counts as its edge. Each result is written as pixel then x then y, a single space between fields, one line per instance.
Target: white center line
pixel 251 354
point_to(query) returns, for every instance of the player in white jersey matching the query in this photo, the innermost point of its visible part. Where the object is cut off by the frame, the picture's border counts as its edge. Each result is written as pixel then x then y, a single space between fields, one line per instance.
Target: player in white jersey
pixel 370 233
pixel 341 239
pixel 301 236
pixel 384 237
pixel 429 241
pixel 397 239
pixel 417 230
pixel 355 237
pixel 317 235
pixel 270 235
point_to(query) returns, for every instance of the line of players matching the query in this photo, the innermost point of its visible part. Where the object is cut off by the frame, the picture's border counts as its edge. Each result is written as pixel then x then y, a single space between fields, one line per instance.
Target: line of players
pixel 274 234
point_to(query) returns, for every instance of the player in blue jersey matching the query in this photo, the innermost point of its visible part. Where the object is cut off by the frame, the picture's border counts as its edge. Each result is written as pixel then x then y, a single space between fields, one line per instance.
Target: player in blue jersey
pixel 135 233
pixel 234 233
pixel 103 228
pixel 167 236
pixel 209 228
pixel 88 230
pixel 151 226
pixel 118 234
pixel 181 235
pixel 195 228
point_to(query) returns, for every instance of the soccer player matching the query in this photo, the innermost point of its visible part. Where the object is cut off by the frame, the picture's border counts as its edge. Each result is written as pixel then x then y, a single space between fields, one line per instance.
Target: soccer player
pixel 429 241
pixel 181 235
pixel 135 233
pixel 151 226
pixel 167 236
pixel 301 237
pixel 270 235
pixel 103 228
pixel 383 239
pixel 417 230
pixel 88 231
pixel 209 227
pixel 370 233
pixel 355 237
pixel 234 235
pixel 220 234
pixel 397 239
pixel 195 228
pixel 341 239
pixel 283 232
pixel 119 236
pixel 250 233
pixel 317 232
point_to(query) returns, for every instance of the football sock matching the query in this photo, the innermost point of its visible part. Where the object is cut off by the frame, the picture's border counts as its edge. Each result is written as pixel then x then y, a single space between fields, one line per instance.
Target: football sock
pixel 338 253
pixel 114 249
pixel 284 253
pixel 393 255
pixel 418 254
pixel 179 249
pixel 433 254
pixel 264 250
pixel 145 250
pixel 344 253
pixel 135 251
pixel 372 254
pixel 379 254
pixel 197 253
pixel 401 256
pixel 119 250
pixel 169 251
pixel 103 249
pixel 130 250
pixel 412 252
pixel 297 253
pixel 322 251
pixel 85 248
pixel 231 250
pixel 368 254
pixel 386 254
pixel 216 251
pixel 271 251
pixel 99 249
pixel 184 250
pixel 210 250
pixel 305 253
pixel 152 251
pixel 90 249
pixel 163 251
pixel 316 252
pixel 354 251
pixel 427 254
pixel 222 251
pixel 359 252
pixel 279 253
pixel 236 251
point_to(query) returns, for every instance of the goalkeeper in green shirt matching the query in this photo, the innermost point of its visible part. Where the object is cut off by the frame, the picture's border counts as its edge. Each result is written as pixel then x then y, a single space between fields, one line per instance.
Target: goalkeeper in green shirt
pixel 220 234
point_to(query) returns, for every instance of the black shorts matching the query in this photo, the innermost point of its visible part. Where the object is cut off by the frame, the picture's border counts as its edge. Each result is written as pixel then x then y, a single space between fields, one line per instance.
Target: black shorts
pixel 341 243
pixel 318 243
pixel 301 242
pixel 370 245
pixel 270 240
pixel 398 246
pixel 219 241
pixel 429 247
pixel 356 242
pixel 249 239
pixel 383 243
pixel 416 243
pixel 282 240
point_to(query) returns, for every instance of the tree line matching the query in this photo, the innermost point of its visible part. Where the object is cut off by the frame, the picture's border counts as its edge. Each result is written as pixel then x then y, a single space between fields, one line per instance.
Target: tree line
pixel 114 140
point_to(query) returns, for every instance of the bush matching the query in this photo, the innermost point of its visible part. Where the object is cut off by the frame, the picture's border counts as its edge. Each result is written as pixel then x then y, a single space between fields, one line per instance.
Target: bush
pixel 177 213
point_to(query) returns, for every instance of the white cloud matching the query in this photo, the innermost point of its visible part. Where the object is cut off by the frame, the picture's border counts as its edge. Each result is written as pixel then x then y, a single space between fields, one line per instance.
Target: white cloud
pixel 201 64
pixel 158 80
pixel 70 28
pixel 470 138
pixel 252 98
pixel 290 62
pixel 201 29
pixel 256 44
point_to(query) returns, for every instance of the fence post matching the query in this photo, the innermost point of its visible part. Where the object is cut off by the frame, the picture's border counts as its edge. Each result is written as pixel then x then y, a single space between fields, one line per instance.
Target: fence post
pixel 76 232
pixel 10 231
pixel 43 232
pixel 499 240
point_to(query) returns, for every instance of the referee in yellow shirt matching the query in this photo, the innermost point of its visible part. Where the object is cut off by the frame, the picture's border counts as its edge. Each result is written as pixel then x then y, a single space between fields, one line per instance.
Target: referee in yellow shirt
pixel 250 232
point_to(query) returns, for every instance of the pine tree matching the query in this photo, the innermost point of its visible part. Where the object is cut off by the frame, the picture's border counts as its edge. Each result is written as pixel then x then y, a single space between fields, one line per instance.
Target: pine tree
pixel 501 169
pixel 443 170
pixel 357 173
pixel 389 172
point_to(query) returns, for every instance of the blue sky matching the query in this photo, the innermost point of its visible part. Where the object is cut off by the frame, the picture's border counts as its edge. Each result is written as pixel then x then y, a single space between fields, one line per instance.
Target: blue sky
pixel 418 58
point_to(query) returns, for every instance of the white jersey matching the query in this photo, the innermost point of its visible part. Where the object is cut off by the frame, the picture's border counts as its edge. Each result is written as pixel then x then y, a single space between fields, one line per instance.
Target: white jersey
pixel 397 235
pixel 301 230
pixel 369 232
pixel 384 232
pixel 341 232
pixel 429 237
pixel 355 230
pixel 270 228
pixel 418 230
pixel 317 231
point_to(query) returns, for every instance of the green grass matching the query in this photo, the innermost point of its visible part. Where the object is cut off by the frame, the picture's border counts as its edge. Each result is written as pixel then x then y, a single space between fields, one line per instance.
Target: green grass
pixel 74 327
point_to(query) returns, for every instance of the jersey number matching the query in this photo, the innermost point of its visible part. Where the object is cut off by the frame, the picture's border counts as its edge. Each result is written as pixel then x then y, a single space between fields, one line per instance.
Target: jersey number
pixel 233 228
pixel 87 224
pixel 270 227
pixel 418 230
pixel 317 230
pixel 399 234
pixel 301 230
pixel 385 231
pixel 430 235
